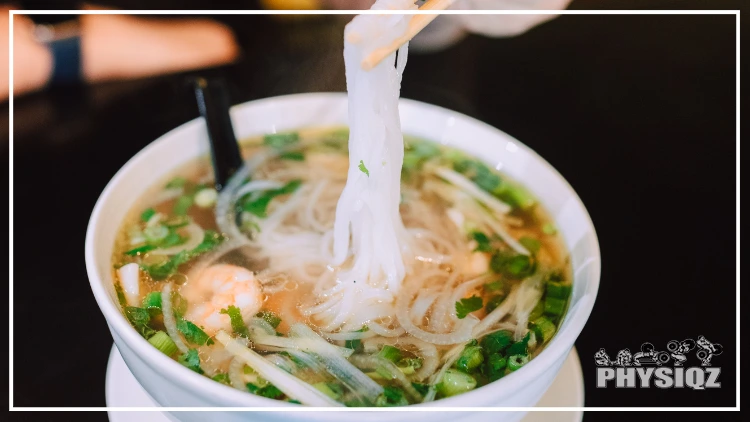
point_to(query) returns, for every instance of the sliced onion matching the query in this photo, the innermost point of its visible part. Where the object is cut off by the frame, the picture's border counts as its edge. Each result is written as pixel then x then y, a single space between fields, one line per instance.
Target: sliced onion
pixel 256 186
pixel 290 385
pixel 169 321
pixel 337 365
pixel 196 235
pixel 498 313
pixel 461 334
pixel 376 362
pixel 472 189
pixel 236 374
pixel 129 280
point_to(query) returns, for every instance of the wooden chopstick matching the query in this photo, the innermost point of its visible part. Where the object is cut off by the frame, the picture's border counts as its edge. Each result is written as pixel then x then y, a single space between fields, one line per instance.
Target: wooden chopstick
pixel 416 24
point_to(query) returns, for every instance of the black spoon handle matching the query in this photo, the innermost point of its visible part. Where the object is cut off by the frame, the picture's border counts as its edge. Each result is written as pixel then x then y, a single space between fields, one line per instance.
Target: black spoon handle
pixel 212 96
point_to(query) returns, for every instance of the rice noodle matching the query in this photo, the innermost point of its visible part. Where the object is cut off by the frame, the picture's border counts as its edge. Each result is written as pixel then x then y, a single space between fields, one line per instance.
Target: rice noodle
pixel 169 321
pixel 461 333
pixel 529 293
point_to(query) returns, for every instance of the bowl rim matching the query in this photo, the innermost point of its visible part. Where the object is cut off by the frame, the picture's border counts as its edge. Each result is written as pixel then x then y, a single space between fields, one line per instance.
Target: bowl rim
pixel 214 391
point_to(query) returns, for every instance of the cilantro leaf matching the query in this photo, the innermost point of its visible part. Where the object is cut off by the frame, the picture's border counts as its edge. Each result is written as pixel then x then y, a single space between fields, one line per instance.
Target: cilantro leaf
pixel 139 318
pixel 484 244
pixel 193 333
pixel 363 169
pixel 468 305
pixel 191 360
pixel 270 318
pixel 235 316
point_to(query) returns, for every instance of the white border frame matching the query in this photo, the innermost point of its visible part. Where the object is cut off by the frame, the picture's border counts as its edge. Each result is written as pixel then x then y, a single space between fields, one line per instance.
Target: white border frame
pixel 12 13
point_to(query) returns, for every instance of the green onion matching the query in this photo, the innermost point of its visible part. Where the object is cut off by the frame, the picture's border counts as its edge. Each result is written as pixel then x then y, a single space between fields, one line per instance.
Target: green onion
pixel 270 391
pixel 182 205
pixel 531 244
pixel 179 304
pixel 281 140
pixel 512 266
pixel 421 388
pixel 549 229
pixel 390 353
pixel 152 301
pixel 235 317
pixel 470 358
pixel 363 169
pixel 140 250
pixel 497 342
pixel 456 382
pixel 544 329
pixel 191 360
pixel 494 286
pixel 468 305
pixel 177 221
pixel 175 183
pixel 154 234
pixel 259 205
pixel 168 267
pixel 392 396
pixel 206 198
pixel 520 347
pixel 495 367
pixel 537 311
pixel 120 296
pixel 517 361
pixel 483 242
pixel 222 378
pixel 558 290
pixel 414 363
pixel 147 214
pixel 193 333
pixel 554 306
pixel 270 318
pixel 293 156
pixel 517 196
pixel 356 343
pixel 331 390
pixel 163 342
pixel 172 239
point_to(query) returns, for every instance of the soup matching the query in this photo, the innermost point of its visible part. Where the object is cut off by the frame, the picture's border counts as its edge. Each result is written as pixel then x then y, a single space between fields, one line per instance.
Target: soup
pixel 243 286
pixel 338 267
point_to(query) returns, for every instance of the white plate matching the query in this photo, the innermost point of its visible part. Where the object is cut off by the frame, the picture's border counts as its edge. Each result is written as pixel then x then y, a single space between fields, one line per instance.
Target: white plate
pixel 122 390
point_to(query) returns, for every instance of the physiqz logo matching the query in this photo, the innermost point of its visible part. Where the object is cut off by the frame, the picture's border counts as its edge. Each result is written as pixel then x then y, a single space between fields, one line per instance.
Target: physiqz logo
pixel 661 369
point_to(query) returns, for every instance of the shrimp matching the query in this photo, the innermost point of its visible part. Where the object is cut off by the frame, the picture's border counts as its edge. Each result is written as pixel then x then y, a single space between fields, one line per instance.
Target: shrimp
pixel 224 285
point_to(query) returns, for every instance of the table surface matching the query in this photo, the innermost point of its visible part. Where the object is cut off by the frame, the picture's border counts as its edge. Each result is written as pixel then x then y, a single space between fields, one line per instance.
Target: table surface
pixel 636 112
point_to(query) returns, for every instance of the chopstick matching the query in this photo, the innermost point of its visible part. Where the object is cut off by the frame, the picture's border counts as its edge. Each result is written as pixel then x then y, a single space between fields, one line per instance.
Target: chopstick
pixel 416 24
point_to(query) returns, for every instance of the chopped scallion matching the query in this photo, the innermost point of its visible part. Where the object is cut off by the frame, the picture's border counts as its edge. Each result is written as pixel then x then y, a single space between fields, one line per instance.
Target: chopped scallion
pixel 163 342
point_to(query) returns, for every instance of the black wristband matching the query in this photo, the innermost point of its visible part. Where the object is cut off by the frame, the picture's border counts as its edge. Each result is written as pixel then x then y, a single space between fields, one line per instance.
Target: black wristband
pixel 66 61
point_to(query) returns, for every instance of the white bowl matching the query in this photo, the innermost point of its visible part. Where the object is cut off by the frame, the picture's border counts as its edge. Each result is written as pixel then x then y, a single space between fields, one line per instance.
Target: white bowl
pixel 172 385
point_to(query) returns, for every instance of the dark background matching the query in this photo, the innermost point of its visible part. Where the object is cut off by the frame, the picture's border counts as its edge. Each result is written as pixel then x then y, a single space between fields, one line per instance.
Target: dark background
pixel 637 112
